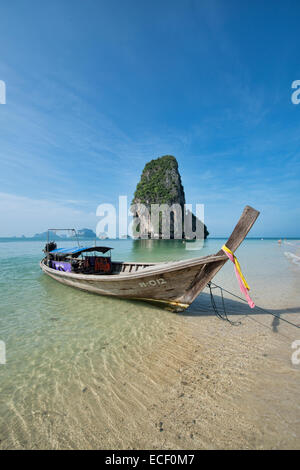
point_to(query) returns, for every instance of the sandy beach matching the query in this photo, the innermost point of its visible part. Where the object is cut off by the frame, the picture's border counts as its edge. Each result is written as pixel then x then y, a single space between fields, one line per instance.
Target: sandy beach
pixel 207 385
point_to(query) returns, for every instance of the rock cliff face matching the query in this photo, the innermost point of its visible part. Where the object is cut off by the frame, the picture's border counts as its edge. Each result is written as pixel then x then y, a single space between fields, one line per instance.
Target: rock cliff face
pixel 160 183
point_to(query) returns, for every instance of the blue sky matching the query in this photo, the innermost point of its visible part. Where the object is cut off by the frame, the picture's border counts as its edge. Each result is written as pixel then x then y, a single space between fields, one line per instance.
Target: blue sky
pixel 95 89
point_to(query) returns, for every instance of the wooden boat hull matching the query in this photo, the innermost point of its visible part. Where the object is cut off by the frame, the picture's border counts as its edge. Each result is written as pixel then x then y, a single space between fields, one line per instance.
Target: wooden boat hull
pixel 175 284
pixel 169 283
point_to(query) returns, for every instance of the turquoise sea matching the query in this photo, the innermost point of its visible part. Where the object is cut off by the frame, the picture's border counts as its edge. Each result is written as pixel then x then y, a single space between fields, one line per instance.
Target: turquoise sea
pixel 62 344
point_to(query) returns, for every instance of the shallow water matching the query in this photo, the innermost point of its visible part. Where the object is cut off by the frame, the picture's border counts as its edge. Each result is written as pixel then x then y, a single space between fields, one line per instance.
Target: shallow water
pixel 63 344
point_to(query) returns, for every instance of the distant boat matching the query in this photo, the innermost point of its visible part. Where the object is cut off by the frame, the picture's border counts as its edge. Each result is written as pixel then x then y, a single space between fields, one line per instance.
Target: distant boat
pixel 174 284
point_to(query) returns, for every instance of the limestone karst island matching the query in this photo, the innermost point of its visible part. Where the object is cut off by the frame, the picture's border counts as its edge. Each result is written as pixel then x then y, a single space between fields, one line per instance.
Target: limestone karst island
pixel 161 183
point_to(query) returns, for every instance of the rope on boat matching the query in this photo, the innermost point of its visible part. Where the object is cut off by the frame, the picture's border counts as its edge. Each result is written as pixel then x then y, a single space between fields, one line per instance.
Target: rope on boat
pixel 222 315
pixel 212 285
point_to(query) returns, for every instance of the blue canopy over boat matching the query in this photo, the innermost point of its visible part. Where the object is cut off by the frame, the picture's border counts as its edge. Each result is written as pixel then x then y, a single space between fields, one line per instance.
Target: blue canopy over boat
pixel 77 250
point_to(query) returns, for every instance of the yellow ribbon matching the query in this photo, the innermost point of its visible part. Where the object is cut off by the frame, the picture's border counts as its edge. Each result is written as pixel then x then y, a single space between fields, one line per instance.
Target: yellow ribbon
pixel 238 267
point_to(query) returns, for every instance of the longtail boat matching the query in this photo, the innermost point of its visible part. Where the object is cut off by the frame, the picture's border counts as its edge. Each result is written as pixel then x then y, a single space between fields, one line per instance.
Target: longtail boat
pixel 173 284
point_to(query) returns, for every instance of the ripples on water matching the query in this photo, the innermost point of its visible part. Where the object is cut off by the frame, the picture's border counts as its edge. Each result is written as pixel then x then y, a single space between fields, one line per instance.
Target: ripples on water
pixel 70 354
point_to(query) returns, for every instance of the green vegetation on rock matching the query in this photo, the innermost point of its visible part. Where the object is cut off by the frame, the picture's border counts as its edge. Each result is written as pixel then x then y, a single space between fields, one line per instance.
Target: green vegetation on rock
pixel 160 182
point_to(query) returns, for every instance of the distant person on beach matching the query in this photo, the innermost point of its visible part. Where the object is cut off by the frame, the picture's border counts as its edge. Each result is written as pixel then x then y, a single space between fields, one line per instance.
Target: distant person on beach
pixel 279 241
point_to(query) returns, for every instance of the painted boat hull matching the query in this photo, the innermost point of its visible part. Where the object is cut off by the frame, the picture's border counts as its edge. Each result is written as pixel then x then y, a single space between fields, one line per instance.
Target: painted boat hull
pixel 168 283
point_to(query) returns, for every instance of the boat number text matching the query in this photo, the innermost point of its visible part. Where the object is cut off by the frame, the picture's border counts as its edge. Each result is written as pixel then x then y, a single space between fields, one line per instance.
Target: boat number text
pixel 153 283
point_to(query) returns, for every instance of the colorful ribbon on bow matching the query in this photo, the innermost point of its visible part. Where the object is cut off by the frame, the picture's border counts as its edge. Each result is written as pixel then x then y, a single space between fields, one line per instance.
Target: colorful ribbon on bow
pixel 244 287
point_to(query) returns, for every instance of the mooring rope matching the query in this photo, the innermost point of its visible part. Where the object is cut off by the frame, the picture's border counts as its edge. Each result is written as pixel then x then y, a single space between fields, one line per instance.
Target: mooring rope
pixel 212 285
pixel 222 315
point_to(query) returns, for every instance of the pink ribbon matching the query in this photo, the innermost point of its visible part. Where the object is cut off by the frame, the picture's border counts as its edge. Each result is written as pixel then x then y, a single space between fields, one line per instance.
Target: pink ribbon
pixel 243 289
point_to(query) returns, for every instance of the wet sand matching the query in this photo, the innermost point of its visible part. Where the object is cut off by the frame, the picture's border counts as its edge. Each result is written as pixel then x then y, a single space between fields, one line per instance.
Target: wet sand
pixel 204 385
pixel 215 386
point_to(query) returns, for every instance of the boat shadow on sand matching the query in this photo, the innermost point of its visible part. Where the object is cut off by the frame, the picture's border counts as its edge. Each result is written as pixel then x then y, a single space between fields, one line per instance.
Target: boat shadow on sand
pixel 202 306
